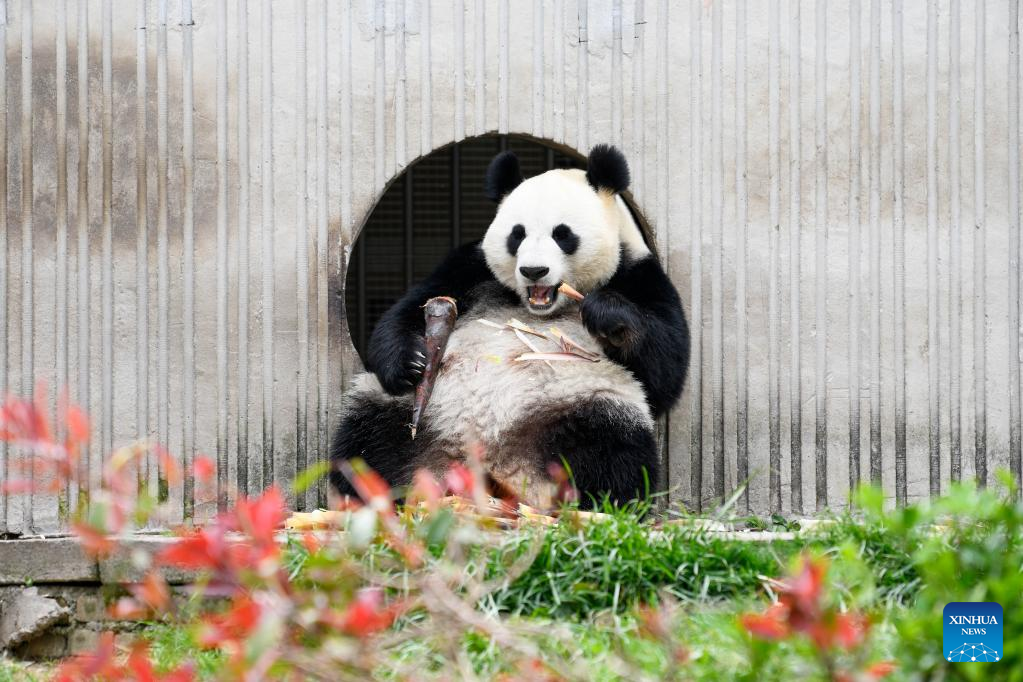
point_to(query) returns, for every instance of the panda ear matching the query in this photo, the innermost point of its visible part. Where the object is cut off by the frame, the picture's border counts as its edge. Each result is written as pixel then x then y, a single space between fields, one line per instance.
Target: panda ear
pixel 503 175
pixel 606 169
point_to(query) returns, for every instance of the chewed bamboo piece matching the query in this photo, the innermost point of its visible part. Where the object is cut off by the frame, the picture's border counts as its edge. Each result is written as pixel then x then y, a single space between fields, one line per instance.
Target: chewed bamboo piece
pixel 530 345
pixel 522 327
pixel 440 314
pixel 569 349
pixel 570 346
pixel 566 289
pixel 513 325
pixel 547 357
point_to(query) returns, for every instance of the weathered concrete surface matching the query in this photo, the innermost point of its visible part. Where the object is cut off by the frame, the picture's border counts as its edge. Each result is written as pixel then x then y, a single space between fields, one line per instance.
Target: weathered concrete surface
pixel 52 620
pixel 133 557
pixel 45 560
pixel 634 88
pixel 62 560
pixel 27 615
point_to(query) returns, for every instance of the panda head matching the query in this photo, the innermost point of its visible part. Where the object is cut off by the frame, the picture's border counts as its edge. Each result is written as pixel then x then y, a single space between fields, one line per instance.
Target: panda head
pixel 567 226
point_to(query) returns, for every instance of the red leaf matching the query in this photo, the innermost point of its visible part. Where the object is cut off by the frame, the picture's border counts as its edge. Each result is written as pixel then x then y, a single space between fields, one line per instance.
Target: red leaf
pixel 802 594
pixel 99 663
pixel 127 608
pixel 652 622
pixel 142 668
pixel 199 550
pixel 881 669
pixel 18 486
pixel 204 468
pixel 365 615
pixel 566 492
pixel 459 480
pixel 260 517
pixel 184 673
pixel 770 625
pixel 425 489
pixel 25 420
pixel 40 422
pixel 95 542
pixel 310 542
pixel 807 586
pixel 153 591
pixel 169 465
pixel 138 663
pixel 369 485
pixel 851 629
pixel 234 625
pixel 77 427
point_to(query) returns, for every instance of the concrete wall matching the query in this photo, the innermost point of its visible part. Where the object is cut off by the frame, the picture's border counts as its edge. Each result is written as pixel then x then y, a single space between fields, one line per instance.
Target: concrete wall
pixel 848 283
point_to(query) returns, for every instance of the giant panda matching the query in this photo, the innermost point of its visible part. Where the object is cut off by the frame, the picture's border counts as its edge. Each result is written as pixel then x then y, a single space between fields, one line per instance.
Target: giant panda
pixel 598 418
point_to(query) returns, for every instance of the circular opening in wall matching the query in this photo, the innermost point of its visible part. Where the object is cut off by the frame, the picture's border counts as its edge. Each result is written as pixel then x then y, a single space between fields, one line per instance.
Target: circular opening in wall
pixel 436 204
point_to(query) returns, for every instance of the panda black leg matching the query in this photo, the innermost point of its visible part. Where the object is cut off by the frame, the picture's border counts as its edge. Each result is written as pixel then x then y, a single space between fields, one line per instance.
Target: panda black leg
pixel 378 433
pixel 607 453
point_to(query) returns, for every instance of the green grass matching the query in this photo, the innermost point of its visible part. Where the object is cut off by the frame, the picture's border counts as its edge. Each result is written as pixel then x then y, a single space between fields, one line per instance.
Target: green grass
pixel 591 649
pixel 20 671
pixel 172 645
pixel 886 553
pixel 620 561
pixel 610 564
pixel 617 563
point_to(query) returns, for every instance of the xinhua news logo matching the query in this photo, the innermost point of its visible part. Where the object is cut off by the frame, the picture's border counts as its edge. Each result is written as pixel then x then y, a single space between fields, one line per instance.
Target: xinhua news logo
pixel 972 632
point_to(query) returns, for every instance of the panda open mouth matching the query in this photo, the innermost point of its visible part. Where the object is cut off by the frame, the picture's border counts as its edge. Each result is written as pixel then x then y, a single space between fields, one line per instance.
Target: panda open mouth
pixel 541 297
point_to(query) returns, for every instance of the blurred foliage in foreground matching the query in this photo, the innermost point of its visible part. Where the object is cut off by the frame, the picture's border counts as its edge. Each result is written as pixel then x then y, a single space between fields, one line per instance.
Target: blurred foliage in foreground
pixel 422 591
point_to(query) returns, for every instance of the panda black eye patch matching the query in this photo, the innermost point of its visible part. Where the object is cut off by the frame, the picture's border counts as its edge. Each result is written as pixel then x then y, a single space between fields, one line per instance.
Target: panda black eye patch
pixel 566 239
pixel 518 233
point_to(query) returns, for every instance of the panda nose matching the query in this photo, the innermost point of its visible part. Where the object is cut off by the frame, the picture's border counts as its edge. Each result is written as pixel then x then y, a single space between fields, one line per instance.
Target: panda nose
pixel 534 273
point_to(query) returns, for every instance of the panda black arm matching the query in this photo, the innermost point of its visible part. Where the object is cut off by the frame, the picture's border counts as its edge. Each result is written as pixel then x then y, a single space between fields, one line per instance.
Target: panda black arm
pixel 637 316
pixel 397 339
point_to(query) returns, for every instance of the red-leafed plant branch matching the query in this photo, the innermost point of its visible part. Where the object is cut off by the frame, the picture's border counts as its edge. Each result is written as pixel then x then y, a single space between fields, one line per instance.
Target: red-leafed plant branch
pixel 803 610
pixel 341 616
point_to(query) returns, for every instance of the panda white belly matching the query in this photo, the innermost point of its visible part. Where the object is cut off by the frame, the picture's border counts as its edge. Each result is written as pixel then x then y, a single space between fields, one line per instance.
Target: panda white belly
pixel 486 401
pixel 483 393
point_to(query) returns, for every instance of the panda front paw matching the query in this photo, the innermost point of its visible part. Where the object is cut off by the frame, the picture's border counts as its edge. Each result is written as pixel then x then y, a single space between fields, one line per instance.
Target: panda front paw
pixel 401 368
pixel 613 320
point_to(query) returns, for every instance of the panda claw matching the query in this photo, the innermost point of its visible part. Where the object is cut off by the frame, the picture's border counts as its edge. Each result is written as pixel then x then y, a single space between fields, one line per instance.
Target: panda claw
pixel 416 365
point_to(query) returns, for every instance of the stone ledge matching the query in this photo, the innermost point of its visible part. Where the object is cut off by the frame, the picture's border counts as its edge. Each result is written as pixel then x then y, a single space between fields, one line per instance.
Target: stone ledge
pixel 127 563
pixel 61 560
pixel 45 560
